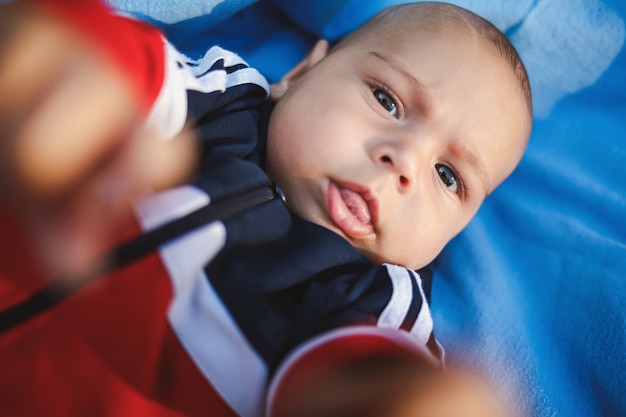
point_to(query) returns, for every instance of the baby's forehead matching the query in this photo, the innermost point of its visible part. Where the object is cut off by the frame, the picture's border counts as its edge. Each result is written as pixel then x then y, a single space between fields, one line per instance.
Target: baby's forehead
pixel 411 30
pixel 404 20
pixel 410 22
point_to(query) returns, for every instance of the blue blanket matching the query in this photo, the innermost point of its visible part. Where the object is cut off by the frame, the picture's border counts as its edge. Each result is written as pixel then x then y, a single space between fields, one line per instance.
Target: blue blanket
pixel 534 290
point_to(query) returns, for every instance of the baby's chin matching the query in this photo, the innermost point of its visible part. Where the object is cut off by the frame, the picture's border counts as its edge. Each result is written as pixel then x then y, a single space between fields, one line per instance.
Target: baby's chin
pixel 368 248
pixel 377 258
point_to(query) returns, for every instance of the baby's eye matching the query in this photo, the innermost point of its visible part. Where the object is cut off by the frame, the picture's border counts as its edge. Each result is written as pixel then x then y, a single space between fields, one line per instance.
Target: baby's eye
pixel 386 102
pixel 448 177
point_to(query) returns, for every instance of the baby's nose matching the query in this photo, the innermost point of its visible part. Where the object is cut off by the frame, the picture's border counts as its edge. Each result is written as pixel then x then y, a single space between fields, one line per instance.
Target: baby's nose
pixel 401 161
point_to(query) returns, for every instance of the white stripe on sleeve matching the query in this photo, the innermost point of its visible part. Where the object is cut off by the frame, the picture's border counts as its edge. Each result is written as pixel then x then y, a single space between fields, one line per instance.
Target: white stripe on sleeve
pixel 396 310
pixel 423 327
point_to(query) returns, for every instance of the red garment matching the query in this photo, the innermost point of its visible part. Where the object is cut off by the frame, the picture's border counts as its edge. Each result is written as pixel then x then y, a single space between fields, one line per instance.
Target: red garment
pixel 108 350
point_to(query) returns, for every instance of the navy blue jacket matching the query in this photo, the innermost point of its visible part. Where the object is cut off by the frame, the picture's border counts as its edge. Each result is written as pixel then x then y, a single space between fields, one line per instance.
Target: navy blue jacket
pixel 283 279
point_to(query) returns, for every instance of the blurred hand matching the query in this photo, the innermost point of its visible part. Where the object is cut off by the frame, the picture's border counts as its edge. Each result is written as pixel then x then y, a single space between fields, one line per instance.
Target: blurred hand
pixel 73 151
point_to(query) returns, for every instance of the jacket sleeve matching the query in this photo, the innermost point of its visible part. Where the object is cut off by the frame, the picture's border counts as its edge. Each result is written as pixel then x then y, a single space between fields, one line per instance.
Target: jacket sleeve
pixel 388 296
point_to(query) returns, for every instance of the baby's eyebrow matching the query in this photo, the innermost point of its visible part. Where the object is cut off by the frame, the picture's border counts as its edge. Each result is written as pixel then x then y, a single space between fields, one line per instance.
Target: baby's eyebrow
pixel 479 169
pixel 425 102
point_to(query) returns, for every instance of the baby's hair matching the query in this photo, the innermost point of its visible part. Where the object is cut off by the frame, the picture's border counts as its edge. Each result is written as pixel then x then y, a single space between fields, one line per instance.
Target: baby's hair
pixel 437 16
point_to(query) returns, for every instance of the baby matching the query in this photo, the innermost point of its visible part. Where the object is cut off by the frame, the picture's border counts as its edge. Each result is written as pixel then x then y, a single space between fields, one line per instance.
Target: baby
pixel 384 148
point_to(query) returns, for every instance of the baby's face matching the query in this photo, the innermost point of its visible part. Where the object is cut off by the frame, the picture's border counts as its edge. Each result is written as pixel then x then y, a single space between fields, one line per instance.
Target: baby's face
pixel 394 141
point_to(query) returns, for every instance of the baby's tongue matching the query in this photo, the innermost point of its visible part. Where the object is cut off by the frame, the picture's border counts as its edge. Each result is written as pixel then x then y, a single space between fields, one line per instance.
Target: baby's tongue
pixel 356 204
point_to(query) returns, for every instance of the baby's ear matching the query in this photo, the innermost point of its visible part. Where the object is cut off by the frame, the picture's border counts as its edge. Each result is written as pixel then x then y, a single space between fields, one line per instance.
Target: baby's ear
pixel 319 51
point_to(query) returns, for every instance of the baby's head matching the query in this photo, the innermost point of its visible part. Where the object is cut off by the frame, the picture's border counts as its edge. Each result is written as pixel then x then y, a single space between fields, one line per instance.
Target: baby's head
pixel 394 137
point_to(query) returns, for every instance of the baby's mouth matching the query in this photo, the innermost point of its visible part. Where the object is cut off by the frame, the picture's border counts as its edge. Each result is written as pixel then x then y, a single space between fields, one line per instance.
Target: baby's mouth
pixel 351 208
